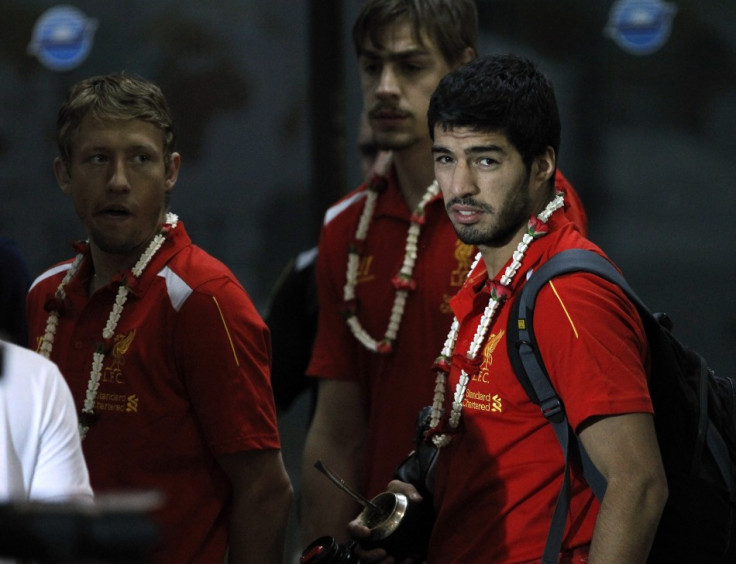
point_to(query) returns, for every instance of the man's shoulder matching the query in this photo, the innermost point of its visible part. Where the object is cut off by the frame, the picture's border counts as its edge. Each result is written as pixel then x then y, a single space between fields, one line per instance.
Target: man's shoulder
pixel 194 268
pixel 589 289
pixel 566 235
pixel 37 371
pixel 340 210
pixel 52 274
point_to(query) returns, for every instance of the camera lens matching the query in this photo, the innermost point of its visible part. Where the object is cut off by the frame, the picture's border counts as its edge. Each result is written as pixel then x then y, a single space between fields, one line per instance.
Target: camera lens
pixel 325 550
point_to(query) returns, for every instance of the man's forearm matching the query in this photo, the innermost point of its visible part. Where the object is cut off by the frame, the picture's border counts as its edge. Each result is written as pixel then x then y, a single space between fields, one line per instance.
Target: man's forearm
pixel 257 529
pixel 337 438
pixel 627 523
pixel 261 497
pixel 325 510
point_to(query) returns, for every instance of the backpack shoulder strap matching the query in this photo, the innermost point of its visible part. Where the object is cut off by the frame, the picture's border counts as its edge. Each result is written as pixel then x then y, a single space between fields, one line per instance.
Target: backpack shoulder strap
pixel 523 350
pixel 529 368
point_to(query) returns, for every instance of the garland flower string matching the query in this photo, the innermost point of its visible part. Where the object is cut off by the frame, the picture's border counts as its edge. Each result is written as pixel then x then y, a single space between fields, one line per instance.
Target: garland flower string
pixel 87 415
pixel 403 282
pixel 499 293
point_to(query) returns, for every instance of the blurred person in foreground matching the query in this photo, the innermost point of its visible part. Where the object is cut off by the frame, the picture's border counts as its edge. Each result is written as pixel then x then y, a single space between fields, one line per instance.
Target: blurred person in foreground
pixel 39 439
pixel 43 476
pixel 164 352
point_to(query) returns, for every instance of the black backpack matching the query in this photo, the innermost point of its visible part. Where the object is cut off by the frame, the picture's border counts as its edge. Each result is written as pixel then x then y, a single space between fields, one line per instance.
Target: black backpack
pixel 695 423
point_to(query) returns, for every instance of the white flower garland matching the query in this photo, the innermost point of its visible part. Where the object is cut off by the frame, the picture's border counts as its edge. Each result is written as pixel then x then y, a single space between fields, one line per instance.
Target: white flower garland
pixel 442 365
pixel 47 343
pixel 403 282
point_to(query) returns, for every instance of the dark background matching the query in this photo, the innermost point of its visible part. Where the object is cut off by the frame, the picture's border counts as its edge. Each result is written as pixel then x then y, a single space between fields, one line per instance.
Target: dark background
pixel 266 98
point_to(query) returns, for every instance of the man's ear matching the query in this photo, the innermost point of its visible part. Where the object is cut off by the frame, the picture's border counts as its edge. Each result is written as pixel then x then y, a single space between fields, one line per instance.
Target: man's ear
pixel 545 165
pixel 63 178
pixel 172 172
pixel 468 55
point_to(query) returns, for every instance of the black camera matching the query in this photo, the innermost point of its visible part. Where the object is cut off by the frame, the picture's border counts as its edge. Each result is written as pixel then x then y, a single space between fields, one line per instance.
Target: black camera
pixel 325 550
pixel 398 526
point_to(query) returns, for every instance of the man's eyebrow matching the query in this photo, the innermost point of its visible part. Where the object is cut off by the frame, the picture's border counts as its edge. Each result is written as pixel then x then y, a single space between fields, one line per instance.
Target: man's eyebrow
pixel 443 150
pixel 474 150
pixel 395 56
pixel 143 147
pixel 103 147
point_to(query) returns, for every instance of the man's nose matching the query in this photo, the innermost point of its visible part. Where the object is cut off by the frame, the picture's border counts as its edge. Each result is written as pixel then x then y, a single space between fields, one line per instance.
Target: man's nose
pixel 388 84
pixel 119 175
pixel 461 182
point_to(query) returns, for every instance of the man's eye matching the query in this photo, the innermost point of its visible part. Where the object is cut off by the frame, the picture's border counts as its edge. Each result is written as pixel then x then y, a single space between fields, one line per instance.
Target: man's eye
pixel 411 67
pixel 371 68
pixel 98 159
pixel 442 159
pixel 142 158
pixel 486 161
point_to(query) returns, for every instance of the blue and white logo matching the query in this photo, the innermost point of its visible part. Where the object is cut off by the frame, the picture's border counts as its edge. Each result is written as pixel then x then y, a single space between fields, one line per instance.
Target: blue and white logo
pixel 62 38
pixel 640 27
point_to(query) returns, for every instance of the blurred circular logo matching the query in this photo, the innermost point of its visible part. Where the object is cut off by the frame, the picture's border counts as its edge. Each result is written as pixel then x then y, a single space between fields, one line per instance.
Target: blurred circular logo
pixel 62 38
pixel 640 27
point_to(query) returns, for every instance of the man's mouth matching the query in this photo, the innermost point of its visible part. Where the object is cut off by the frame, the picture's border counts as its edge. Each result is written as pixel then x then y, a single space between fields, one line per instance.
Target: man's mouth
pixel 466 215
pixel 465 211
pixel 114 211
pixel 383 113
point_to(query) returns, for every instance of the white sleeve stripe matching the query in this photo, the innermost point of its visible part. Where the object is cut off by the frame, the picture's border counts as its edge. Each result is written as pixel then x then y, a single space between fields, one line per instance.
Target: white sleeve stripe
pixel 50 272
pixel 337 209
pixel 177 289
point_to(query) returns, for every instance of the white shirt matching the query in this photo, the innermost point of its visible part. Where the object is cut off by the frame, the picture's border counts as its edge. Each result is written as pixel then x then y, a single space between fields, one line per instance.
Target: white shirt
pixel 40 450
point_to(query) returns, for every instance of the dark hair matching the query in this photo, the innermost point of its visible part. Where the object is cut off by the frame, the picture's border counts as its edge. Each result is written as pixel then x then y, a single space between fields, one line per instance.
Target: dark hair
pixel 116 96
pixel 451 24
pixel 501 93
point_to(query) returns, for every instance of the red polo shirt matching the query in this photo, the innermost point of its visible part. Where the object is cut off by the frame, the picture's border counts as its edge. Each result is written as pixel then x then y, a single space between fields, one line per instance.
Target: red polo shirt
pixel 498 480
pixel 186 381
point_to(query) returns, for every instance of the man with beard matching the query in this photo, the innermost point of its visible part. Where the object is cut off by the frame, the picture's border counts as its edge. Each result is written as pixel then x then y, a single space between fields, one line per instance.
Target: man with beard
pixel 496 132
pixel 388 263
pixel 164 352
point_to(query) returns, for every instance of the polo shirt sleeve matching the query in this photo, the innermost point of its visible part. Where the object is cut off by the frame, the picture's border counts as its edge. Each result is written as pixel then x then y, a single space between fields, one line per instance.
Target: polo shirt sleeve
pixel 594 346
pixel 223 349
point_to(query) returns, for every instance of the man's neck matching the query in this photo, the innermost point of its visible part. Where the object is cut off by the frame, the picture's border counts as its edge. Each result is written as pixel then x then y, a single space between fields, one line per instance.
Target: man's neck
pixel 496 257
pixel 414 172
pixel 106 266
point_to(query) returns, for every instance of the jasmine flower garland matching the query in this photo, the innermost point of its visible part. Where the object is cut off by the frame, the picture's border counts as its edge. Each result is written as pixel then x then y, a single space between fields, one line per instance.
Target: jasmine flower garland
pixel 47 343
pixel 402 282
pixel 499 291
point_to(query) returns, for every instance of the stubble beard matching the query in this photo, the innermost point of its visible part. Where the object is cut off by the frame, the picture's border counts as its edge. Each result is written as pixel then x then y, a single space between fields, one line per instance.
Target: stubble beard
pixel 128 244
pixel 394 141
pixel 114 246
pixel 397 139
pixel 509 218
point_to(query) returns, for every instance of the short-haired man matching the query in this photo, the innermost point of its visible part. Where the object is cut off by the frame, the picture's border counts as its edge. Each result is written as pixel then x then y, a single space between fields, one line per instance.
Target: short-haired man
pixel 164 352
pixel 496 132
